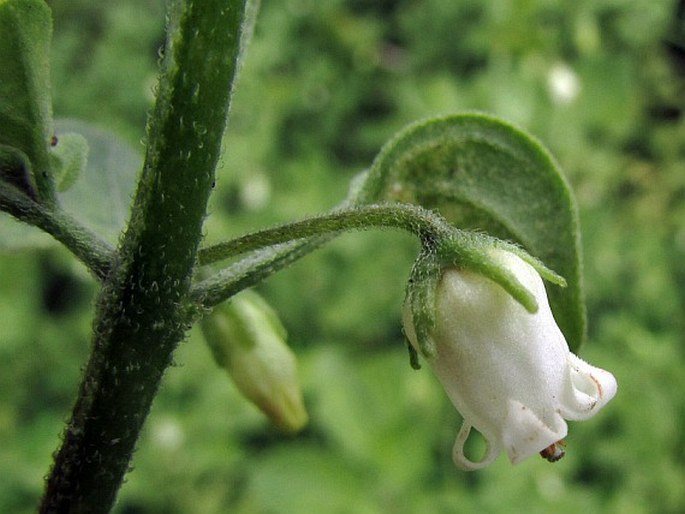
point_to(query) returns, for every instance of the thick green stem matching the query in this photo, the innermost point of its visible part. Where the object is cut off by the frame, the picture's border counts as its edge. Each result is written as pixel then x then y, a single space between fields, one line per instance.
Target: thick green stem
pixel 143 309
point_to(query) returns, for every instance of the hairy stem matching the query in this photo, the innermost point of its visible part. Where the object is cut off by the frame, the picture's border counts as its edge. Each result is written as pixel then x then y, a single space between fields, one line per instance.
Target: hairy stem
pixel 95 253
pixel 275 248
pixel 419 221
pixel 143 309
pixel 251 270
pixel 297 239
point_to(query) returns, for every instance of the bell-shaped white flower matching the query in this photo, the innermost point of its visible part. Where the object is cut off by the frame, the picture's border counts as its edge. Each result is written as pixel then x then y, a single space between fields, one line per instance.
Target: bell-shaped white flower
pixel 509 372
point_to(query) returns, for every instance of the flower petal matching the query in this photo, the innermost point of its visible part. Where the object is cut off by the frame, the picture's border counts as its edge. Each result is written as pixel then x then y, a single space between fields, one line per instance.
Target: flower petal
pixel 589 390
pixel 492 451
pixel 524 434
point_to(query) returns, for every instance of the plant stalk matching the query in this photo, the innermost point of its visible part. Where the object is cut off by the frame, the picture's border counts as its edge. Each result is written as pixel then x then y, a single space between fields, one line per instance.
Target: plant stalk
pixel 143 309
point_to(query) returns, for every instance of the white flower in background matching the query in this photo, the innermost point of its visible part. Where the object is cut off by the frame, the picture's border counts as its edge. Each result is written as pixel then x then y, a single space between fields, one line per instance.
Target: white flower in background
pixel 510 373
pixel 255 191
pixel 168 434
pixel 563 84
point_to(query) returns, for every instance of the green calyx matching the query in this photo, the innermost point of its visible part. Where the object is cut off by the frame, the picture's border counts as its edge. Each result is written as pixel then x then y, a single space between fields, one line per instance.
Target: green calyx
pixel 419 303
pixel 466 251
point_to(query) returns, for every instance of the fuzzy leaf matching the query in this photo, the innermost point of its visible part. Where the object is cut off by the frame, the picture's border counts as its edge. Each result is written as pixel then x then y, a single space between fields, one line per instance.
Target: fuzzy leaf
pixel 101 196
pixel 482 173
pixel 25 102
pixel 69 157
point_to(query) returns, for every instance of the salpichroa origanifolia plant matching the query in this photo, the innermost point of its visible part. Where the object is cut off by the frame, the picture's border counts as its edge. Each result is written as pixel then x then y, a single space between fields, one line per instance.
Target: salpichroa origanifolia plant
pixel 488 204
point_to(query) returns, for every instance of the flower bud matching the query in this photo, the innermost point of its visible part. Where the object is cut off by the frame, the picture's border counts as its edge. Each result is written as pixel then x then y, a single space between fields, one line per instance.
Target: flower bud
pixel 509 372
pixel 249 341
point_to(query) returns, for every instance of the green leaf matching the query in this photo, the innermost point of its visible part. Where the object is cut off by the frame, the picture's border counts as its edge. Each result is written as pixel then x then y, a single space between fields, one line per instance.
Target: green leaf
pixel 98 197
pixel 69 157
pixel 101 196
pixel 25 102
pixel 482 173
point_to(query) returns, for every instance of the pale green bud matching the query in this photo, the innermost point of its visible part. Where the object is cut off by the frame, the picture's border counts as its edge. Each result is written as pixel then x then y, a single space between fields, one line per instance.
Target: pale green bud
pixel 249 341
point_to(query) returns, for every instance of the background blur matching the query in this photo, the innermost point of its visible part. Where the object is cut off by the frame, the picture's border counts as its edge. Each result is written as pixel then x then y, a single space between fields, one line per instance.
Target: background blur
pixel 601 83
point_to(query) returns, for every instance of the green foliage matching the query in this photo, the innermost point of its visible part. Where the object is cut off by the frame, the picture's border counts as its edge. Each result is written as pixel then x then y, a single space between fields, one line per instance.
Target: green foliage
pixel 101 196
pixel 483 174
pixel 25 105
pixel 69 159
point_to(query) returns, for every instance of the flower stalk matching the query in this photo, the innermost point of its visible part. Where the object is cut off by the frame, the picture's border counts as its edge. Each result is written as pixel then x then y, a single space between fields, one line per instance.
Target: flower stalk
pixel 423 223
pixel 272 249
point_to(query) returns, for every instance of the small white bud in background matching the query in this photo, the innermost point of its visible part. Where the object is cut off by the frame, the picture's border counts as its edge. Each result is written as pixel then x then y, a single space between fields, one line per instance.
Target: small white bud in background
pixel 563 84
pixel 255 191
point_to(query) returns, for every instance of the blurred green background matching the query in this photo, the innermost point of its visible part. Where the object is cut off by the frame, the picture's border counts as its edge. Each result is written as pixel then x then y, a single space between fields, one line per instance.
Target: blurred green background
pixel 324 84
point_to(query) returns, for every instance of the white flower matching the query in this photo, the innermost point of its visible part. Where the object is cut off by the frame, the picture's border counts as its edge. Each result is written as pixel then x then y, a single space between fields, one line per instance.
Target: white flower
pixel 510 373
pixel 563 84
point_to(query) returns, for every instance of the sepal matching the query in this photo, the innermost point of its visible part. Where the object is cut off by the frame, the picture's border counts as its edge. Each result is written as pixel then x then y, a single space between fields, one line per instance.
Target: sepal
pixel 420 301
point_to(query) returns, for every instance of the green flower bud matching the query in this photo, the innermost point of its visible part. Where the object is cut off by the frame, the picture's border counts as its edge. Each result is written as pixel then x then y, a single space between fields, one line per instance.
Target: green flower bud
pixel 249 341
